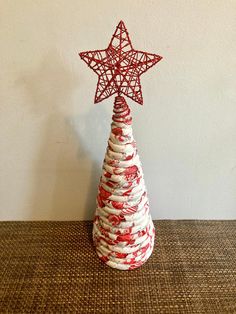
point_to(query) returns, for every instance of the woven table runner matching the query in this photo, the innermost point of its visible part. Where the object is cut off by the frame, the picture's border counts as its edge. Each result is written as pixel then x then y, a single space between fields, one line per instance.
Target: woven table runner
pixel 51 267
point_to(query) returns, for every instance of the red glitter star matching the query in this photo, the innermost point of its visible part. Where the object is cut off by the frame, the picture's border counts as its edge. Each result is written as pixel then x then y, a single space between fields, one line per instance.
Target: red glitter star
pixel 119 67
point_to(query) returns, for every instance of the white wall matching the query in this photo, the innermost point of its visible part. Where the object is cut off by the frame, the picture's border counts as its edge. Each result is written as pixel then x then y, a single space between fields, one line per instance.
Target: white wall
pixel 53 137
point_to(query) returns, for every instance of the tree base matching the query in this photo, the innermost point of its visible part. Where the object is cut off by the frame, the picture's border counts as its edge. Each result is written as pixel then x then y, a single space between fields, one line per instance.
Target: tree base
pixel 132 260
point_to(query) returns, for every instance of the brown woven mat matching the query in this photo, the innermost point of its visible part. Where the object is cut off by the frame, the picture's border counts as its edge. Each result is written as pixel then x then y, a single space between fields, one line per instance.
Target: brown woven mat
pixel 51 267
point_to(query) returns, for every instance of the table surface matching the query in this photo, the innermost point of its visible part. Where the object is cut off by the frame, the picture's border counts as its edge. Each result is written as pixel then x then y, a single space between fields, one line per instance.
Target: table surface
pixel 51 267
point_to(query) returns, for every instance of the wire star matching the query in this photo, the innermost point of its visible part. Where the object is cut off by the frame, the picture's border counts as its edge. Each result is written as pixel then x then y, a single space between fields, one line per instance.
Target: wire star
pixel 119 67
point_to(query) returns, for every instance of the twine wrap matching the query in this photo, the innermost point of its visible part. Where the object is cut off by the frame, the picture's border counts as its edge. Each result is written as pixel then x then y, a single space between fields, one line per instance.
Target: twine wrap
pixel 123 230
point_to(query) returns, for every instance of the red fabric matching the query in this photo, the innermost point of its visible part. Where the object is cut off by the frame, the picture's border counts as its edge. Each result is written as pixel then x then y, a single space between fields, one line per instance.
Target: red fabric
pixel 119 67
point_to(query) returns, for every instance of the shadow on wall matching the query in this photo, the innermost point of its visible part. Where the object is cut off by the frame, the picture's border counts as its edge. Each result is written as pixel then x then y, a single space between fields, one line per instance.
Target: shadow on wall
pixel 92 130
pixel 65 171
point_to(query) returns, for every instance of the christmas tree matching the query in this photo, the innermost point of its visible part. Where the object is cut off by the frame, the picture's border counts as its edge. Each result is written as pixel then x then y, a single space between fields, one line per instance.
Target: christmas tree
pixel 123 231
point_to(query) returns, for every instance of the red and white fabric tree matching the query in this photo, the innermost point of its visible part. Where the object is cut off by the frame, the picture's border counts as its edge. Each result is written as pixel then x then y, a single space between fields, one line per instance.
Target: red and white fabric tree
pixel 123 231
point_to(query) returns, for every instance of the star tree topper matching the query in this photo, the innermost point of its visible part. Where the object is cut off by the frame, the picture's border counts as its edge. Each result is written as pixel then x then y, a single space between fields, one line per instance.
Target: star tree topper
pixel 119 67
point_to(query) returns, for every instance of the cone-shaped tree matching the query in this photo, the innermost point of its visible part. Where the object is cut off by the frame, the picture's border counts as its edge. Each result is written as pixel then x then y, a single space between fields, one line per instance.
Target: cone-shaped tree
pixel 123 230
